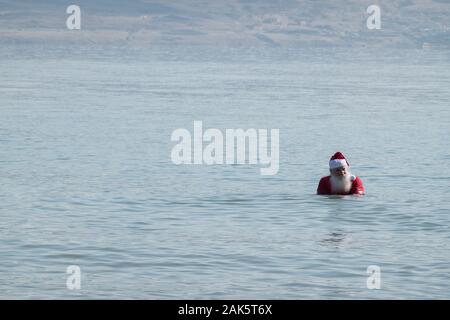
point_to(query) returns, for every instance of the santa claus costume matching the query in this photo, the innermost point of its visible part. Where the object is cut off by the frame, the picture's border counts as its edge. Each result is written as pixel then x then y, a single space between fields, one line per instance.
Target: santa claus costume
pixel 348 184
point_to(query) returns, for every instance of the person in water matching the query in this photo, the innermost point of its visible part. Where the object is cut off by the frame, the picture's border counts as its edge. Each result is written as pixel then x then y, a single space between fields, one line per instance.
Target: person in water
pixel 340 181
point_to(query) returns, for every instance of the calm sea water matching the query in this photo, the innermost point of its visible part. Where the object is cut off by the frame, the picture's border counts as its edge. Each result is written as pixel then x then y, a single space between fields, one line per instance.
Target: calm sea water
pixel 87 179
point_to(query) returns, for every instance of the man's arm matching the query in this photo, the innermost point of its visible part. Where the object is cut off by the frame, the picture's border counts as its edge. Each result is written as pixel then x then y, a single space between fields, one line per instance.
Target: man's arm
pixel 322 188
pixel 357 187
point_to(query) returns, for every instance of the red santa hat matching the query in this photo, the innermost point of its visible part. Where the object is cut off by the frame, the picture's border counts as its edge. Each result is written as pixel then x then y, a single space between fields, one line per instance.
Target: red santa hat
pixel 338 160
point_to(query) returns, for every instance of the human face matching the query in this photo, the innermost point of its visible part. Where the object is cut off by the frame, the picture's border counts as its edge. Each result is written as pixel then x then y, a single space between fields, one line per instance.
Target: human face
pixel 339 172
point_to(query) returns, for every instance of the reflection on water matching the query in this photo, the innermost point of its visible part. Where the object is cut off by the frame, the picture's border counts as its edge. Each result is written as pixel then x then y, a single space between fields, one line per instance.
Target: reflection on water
pixel 337 240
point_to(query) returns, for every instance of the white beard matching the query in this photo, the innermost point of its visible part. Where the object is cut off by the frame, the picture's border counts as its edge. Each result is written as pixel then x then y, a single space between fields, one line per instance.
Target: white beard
pixel 341 185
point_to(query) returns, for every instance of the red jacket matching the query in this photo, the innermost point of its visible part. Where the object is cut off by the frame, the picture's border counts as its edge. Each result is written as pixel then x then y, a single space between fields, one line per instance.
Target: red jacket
pixel 324 186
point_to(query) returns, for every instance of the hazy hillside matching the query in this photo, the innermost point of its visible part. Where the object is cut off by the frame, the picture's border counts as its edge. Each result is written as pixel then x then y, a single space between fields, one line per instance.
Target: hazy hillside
pixel 404 23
